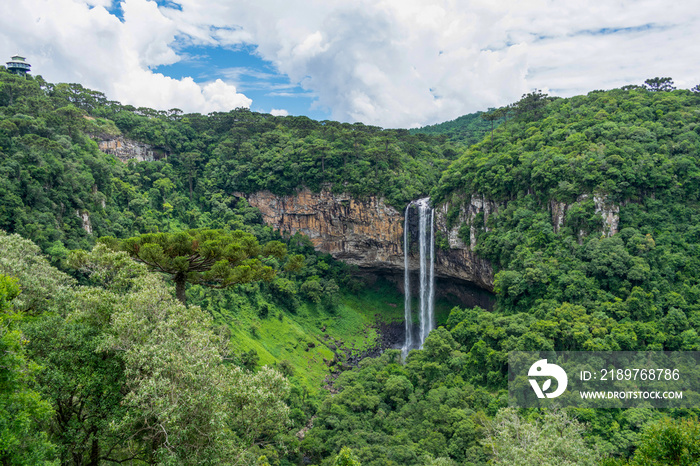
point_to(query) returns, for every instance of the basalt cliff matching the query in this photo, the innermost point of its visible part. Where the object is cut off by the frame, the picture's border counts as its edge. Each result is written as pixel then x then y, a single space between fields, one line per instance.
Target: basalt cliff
pixel 369 233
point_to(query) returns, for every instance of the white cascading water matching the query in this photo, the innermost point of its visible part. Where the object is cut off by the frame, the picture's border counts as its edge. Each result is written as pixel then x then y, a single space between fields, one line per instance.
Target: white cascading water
pixel 431 288
pixel 426 261
pixel 407 291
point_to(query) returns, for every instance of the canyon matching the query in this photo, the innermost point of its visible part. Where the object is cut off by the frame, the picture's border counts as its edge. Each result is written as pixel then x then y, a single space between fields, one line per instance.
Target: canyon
pixel 369 233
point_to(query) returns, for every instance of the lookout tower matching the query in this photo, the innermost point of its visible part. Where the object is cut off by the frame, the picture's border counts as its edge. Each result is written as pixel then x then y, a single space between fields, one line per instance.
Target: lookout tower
pixel 18 65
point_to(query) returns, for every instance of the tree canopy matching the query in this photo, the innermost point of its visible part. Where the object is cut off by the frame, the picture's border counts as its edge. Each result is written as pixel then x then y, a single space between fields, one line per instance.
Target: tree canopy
pixel 659 84
pixel 213 258
pixel 591 230
pixel 129 374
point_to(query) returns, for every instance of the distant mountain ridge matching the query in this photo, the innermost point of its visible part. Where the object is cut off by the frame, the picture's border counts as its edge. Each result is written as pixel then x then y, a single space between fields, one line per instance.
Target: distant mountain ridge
pixel 465 130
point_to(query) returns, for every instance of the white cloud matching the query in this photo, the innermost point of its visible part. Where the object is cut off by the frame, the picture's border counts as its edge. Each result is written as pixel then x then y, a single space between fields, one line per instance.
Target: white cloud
pixel 412 62
pixel 79 41
pixel 148 34
pixel 279 112
pixel 395 63
pixel 223 96
pixel 154 90
pixel 102 3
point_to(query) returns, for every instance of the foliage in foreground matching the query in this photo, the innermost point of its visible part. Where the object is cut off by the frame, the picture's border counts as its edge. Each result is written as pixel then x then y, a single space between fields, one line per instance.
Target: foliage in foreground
pixel 22 410
pixel 669 442
pixel 554 440
pixel 131 374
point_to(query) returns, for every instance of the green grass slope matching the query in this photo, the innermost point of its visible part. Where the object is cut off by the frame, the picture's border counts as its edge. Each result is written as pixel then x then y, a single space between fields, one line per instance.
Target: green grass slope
pixel 304 341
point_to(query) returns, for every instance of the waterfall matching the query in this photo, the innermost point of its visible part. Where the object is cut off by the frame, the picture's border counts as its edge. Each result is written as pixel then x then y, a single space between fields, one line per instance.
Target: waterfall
pixel 431 287
pixel 408 319
pixel 426 261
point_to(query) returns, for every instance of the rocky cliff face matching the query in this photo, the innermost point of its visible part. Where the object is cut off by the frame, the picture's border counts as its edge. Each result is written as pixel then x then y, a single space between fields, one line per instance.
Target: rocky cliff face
pixel 127 149
pixel 367 233
pixel 459 254
pixel 609 212
pixel 85 217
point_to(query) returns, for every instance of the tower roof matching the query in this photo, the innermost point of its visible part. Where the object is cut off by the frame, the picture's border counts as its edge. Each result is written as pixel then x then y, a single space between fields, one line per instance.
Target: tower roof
pixel 18 65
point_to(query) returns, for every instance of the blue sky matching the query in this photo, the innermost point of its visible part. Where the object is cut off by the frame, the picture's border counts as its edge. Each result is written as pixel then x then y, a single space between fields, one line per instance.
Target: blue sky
pixel 256 78
pixel 391 63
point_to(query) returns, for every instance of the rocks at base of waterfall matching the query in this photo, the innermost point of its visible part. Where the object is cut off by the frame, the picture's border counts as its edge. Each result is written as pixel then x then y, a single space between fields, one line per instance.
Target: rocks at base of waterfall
pixel 390 335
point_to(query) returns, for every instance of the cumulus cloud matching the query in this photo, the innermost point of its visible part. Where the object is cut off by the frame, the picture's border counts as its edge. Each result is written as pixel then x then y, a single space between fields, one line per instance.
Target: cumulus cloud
pixel 80 41
pixel 279 112
pixel 413 62
pixel 393 63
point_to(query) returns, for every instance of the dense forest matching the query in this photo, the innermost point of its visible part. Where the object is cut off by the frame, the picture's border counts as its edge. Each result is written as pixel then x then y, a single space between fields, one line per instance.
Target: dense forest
pixel 148 316
pixel 465 130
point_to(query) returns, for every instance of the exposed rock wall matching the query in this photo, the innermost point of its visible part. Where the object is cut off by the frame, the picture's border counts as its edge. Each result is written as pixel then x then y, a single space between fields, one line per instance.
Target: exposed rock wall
pixel 459 254
pixel 609 211
pixel 85 217
pixel 367 233
pixel 127 149
pixel 558 210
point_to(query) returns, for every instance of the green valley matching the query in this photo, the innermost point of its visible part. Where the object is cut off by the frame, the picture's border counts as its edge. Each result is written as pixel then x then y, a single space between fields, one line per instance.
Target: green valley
pixel 560 224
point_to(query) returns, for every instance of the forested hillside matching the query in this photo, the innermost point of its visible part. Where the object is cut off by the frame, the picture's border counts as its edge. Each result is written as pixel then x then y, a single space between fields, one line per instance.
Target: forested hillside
pixel 52 167
pixel 633 150
pixel 593 239
pixel 567 279
pixel 463 131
